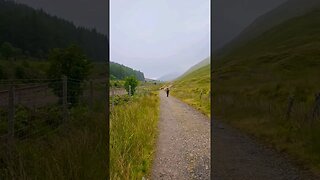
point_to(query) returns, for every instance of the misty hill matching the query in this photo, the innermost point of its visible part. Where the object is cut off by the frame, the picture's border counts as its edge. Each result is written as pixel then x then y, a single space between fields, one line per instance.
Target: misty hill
pixel 35 32
pixel 169 77
pixel 120 72
pixel 281 61
pixel 199 65
pixel 288 10
pixel 230 17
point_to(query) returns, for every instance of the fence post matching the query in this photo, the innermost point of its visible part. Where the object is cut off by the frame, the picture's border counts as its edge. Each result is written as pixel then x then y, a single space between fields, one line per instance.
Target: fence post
pixel 91 94
pixel 11 115
pixel 65 97
pixel 129 90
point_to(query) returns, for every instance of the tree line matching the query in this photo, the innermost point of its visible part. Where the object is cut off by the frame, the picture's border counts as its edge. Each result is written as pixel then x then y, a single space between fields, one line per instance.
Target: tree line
pixel 25 31
pixel 120 72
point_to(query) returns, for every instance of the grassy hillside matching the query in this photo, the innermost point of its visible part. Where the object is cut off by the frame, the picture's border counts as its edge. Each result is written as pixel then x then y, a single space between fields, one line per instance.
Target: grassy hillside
pixel 194 89
pixel 255 82
pixel 199 65
pixel 286 11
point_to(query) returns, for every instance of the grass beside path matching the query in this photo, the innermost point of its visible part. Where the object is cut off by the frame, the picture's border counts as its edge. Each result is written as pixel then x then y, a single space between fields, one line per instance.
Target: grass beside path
pixel 194 89
pixel 76 150
pixel 133 132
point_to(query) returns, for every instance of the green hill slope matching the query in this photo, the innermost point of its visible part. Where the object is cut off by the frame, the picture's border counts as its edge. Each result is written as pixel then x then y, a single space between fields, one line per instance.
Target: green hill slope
pixel 199 65
pixel 120 72
pixel 194 89
pixel 267 87
pixel 286 11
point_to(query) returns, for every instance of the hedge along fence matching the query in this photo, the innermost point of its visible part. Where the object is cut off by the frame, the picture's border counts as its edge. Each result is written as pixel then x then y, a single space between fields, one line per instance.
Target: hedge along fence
pixel 33 108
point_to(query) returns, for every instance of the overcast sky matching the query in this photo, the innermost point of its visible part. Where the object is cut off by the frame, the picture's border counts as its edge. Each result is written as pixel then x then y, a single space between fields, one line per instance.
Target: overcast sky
pixel 159 37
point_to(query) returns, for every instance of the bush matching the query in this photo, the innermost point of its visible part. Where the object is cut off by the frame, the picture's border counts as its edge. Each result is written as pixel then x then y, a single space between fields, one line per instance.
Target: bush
pixel 130 84
pixel 70 62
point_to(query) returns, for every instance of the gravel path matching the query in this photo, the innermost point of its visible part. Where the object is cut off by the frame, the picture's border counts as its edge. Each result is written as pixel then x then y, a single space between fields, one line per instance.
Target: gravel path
pixel 239 157
pixel 183 146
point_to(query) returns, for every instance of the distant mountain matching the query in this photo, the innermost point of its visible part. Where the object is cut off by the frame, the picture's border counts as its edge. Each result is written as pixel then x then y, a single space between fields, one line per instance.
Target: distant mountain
pixel 151 80
pixel 119 71
pixel 288 10
pixel 201 64
pixel 169 77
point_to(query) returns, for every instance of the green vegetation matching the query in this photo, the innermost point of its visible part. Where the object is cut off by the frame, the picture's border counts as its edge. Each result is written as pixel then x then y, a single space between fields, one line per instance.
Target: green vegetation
pixel 23 69
pixel 72 63
pixel 199 65
pixel 71 150
pixel 131 84
pixel 117 83
pixel 33 33
pixel 133 132
pixel 194 89
pixel 120 72
pixel 254 82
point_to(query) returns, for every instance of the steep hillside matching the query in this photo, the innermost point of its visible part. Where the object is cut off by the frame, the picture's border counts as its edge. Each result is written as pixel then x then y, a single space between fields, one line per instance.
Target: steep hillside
pixel 120 72
pixel 194 89
pixel 199 65
pixel 266 87
pixel 34 33
pixel 286 11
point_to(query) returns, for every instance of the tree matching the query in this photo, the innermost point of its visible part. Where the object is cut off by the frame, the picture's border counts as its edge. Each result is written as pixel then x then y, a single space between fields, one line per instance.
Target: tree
pixel 130 84
pixel 7 50
pixel 72 63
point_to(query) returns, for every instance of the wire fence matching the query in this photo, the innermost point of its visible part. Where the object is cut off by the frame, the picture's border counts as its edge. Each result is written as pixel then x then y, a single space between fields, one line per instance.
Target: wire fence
pixel 292 110
pixel 33 108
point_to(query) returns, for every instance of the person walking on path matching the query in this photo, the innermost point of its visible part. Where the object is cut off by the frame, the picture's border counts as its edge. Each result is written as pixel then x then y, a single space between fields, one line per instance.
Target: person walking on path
pixel 167 91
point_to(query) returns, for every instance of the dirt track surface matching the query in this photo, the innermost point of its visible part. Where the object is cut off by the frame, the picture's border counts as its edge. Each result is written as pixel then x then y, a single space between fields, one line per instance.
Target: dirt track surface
pixel 183 146
pixel 239 157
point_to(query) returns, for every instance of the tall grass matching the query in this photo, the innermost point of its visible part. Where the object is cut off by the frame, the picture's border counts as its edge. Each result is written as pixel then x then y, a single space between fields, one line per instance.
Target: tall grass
pixel 76 150
pixel 194 89
pixel 133 131
pixel 295 133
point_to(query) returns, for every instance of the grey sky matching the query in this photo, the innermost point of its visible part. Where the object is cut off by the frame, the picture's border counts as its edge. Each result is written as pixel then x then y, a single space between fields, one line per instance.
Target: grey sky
pixel 159 37
pixel 230 17
pixel 87 13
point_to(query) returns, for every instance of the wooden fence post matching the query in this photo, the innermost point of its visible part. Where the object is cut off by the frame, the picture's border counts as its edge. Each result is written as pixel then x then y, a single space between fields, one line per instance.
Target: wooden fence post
pixel 11 114
pixel 65 97
pixel 129 90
